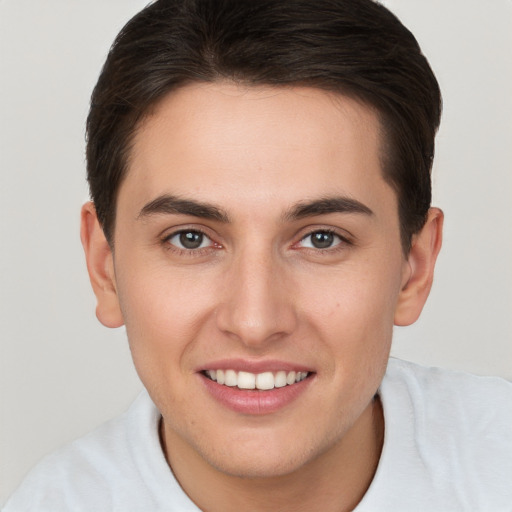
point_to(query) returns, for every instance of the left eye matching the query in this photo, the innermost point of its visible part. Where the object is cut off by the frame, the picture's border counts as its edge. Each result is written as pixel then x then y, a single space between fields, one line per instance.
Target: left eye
pixel 321 240
pixel 190 240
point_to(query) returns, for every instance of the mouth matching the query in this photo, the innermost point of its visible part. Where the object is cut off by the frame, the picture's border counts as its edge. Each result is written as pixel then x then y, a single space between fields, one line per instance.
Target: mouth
pixel 264 381
pixel 256 388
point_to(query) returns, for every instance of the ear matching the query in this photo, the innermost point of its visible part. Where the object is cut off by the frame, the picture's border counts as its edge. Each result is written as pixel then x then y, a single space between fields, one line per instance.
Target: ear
pixel 419 272
pixel 100 265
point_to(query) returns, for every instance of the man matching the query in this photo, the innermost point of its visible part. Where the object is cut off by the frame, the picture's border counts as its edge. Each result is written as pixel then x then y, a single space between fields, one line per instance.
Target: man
pixel 260 177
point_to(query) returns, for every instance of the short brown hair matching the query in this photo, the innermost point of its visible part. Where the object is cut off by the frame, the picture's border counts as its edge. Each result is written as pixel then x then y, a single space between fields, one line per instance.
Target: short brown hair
pixel 352 47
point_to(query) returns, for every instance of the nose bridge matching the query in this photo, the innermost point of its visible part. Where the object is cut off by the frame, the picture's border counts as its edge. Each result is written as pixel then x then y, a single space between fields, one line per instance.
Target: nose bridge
pixel 257 306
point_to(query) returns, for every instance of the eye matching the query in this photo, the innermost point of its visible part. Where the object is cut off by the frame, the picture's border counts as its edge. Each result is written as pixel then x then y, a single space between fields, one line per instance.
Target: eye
pixel 321 239
pixel 189 240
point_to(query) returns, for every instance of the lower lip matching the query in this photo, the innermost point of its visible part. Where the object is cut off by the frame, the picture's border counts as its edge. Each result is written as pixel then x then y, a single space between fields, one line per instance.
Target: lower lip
pixel 253 401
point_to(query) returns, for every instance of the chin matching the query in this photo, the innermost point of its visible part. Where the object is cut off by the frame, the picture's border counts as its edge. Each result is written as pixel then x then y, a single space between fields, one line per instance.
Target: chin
pixel 270 465
pixel 264 456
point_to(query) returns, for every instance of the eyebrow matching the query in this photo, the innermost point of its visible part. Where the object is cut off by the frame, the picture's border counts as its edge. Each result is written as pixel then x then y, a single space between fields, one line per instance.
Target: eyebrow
pixel 326 205
pixel 168 204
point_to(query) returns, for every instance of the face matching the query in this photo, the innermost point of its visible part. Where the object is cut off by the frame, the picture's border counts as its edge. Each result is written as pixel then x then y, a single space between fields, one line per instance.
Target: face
pixel 257 245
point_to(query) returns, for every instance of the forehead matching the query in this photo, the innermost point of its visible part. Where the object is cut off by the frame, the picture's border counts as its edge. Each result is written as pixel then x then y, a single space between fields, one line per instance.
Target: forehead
pixel 258 143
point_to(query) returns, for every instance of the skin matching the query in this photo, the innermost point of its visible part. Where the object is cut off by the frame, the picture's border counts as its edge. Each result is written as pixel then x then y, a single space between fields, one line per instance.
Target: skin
pixel 258 289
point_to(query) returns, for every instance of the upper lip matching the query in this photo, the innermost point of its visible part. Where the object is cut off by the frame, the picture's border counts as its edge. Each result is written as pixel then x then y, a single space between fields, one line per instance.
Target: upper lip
pixel 254 366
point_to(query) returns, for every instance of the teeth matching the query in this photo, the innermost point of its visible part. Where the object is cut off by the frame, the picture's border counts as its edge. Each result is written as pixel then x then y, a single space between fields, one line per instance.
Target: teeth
pixel 246 380
pixel 230 378
pixel 262 381
pixel 280 379
pixel 265 380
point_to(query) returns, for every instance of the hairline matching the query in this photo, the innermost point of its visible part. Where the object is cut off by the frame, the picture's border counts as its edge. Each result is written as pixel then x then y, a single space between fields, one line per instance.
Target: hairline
pixel 342 91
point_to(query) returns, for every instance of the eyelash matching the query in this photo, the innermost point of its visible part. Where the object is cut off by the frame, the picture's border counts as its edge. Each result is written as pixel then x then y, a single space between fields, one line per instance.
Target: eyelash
pixel 343 241
pixel 200 251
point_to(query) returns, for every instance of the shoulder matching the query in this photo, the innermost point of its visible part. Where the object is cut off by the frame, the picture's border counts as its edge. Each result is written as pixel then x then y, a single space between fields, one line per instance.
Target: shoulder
pixel 458 412
pixel 113 468
pixel 454 394
pixel 448 440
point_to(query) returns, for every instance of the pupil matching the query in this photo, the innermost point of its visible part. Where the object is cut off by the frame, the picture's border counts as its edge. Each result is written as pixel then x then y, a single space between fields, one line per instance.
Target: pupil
pixel 191 239
pixel 321 240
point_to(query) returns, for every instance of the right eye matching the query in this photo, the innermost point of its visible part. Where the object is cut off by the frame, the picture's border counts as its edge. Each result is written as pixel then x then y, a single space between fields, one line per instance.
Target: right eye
pixel 189 240
pixel 321 239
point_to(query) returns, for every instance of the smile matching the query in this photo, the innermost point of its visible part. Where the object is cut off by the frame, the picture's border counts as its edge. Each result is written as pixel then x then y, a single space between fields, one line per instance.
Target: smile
pixel 262 381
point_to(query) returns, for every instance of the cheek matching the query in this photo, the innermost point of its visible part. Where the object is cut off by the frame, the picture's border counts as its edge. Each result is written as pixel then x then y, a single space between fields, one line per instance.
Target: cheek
pixel 163 314
pixel 354 313
pixel 356 296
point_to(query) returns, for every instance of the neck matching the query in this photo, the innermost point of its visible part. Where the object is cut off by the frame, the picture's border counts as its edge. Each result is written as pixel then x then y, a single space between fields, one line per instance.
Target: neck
pixel 336 480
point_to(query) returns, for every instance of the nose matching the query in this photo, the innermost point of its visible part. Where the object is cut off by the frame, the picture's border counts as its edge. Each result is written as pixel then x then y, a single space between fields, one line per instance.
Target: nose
pixel 257 306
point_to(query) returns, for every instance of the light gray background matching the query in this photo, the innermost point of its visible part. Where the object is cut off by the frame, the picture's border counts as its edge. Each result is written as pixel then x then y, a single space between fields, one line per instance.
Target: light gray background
pixel 61 373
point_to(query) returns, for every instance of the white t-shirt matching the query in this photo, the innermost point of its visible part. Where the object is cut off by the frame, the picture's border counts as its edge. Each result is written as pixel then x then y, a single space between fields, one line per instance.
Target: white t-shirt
pixel 447 448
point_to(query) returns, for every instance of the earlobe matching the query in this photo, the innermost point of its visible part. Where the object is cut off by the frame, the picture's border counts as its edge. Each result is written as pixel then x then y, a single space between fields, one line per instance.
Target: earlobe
pixel 100 266
pixel 419 270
